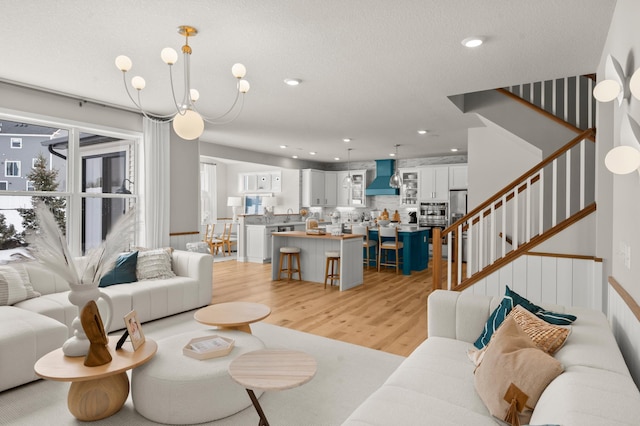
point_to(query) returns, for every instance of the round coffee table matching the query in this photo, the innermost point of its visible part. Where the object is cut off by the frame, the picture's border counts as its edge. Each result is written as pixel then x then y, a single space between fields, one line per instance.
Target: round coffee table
pixel 271 369
pixel 95 392
pixel 233 315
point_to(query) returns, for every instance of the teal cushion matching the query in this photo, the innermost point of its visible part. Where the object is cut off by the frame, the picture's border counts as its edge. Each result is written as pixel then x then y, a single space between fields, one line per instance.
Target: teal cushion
pixel 124 271
pixel 511 299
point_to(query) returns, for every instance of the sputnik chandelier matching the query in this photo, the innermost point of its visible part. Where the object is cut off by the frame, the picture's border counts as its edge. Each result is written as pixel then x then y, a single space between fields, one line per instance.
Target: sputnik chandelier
pixel 188 123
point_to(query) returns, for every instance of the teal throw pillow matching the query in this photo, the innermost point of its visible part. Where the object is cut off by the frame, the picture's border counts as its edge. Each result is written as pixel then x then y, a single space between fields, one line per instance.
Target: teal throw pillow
pixel 124 271
pixel 511 299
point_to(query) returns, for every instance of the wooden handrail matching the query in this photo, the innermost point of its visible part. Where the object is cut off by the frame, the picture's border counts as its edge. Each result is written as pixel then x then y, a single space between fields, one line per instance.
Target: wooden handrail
pixel 543 112
pixel 628 299
pixel 519 182
pixel 522 249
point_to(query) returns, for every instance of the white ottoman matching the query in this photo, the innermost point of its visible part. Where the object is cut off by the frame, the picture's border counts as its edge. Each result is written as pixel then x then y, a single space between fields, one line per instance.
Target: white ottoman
pixel 176 389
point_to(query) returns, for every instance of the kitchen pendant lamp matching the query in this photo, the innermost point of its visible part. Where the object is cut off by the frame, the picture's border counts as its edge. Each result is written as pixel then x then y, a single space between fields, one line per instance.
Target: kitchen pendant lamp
pixel 396 180
pixel 348 180
pixel 188 123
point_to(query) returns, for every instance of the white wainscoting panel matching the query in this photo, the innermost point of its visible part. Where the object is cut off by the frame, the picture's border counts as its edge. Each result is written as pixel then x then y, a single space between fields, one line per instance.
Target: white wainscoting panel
pixel 626 329
pixel 549 280
pixel 179 242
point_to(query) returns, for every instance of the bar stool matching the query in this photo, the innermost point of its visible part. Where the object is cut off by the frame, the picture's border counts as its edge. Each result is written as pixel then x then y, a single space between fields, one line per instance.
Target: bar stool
pixel 388 241
pixel 333 262
pixel 366 244
pixel 290 253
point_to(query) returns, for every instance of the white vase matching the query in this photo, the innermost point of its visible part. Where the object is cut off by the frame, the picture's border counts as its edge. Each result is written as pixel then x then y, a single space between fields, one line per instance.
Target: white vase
pixel 80 295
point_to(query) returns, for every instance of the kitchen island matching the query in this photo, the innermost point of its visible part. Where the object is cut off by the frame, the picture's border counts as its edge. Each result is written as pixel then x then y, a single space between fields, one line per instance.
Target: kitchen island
pixel 415 253
pixel 312 258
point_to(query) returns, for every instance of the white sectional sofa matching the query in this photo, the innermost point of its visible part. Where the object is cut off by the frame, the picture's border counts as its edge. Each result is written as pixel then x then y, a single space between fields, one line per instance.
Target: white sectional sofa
pixel 34 327
pixel 435 384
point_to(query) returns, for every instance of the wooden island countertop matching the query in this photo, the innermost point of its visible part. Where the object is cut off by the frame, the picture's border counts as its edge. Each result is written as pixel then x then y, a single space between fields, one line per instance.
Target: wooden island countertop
pixel 312 255
pixel 303 234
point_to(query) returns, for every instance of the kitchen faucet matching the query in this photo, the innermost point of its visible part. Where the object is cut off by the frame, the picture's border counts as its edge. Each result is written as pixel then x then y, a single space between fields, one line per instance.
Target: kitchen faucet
pixel 289 213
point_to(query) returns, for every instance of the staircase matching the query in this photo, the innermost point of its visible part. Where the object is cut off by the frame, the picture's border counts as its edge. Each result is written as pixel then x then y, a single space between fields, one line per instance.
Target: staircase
pixel 543 201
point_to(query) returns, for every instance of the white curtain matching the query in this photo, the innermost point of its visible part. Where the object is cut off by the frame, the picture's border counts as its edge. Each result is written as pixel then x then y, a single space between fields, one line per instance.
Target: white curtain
pixel 155 175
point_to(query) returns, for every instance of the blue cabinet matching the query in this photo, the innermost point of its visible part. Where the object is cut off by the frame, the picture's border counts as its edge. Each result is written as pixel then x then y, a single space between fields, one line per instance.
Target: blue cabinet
pixel 415 251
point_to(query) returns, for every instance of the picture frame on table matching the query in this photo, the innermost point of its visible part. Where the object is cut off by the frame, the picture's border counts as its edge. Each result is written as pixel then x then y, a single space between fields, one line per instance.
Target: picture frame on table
pixel 134 329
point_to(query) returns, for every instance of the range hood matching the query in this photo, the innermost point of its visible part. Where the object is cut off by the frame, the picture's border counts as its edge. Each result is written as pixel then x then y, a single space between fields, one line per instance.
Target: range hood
pixel 380 185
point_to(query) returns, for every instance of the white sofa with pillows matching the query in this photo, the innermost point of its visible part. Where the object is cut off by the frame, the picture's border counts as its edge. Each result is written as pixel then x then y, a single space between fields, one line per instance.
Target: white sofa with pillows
pixel 530 372
pixel 167 284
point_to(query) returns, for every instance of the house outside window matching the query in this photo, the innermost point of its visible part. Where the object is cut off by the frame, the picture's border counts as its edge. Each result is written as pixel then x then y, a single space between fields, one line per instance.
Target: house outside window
pixel 85 208
pixel 12 168
pixel 16 143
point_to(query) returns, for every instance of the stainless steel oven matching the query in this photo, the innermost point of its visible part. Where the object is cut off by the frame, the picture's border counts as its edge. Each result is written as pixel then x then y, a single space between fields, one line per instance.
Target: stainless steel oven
pixel 433 214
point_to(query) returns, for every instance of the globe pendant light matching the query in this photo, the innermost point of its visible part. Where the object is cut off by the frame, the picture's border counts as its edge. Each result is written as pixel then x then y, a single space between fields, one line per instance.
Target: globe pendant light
pixel 396 180
pixel 188 123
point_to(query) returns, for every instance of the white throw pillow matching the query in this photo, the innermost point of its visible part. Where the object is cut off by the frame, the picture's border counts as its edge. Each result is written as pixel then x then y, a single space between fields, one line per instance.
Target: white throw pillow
pixel 15 285
pixel 154 264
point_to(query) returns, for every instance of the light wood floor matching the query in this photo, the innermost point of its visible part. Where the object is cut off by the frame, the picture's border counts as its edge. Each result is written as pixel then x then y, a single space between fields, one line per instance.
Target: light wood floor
pixel 389 312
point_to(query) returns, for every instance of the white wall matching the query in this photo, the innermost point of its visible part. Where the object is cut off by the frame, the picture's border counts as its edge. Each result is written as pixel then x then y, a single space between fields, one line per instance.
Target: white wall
pixel 289 197
pixel 185 185
pixel 623 42
pixel 496 157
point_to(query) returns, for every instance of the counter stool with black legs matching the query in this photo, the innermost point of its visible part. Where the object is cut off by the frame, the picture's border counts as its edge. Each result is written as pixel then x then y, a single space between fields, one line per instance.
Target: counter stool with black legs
pixel 332 267
pixel 290 253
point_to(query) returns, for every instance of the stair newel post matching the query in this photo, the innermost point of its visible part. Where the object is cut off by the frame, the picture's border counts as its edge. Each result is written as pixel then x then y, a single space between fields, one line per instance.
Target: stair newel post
pixel 436 240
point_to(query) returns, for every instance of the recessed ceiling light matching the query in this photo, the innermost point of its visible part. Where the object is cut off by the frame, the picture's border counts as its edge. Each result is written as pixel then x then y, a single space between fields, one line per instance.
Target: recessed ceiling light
pixel 393 154
pixel 454 149
pixel 336 158
pixel 283 146
pixel 292 81
pixel 422 132
pixel 347 140
pixel 472 41
pixel 294 156
pixel 312 153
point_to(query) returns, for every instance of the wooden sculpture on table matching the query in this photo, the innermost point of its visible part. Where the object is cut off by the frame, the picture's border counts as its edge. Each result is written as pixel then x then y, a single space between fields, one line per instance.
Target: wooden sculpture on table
pixel 94 329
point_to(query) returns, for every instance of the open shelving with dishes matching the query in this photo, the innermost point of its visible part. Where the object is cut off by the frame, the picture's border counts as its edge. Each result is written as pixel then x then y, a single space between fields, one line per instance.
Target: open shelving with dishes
pixel 410 190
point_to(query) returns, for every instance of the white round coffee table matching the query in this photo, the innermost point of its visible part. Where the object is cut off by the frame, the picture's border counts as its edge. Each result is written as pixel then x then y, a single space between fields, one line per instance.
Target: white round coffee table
pixel 233 315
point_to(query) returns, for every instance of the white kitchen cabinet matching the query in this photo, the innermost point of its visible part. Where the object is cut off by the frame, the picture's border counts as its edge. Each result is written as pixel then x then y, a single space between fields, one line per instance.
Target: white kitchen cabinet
pixel 259 243
pixel 319 188
pixel 330 188
pixel 312 188
pixel 458 176
pixel 411 186
pixel 434 183
pixel 353 196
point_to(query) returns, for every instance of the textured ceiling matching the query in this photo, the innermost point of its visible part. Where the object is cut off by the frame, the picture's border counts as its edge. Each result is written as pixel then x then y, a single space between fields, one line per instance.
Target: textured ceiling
pixel 372 70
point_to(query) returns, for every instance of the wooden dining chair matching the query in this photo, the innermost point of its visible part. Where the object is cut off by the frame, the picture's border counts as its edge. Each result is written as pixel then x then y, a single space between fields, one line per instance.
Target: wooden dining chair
pixel 215 244
pixel 227 240
pixel 388 241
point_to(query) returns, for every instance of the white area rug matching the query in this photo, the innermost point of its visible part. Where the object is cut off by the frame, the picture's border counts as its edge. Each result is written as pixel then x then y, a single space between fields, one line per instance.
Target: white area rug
pixel 220 258
pixel 346 375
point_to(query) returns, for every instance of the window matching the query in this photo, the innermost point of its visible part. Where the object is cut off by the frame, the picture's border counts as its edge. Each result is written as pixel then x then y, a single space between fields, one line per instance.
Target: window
pixel 85 208
pixel 12 168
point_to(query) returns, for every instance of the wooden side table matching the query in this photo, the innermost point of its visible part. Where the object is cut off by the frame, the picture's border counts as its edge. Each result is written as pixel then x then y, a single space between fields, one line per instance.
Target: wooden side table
pixel 271 369
pixel 95 392
pixel 233 315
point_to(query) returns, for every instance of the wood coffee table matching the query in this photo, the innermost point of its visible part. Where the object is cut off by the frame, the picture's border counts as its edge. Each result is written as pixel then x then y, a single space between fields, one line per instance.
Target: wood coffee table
pixel 271 369
pixel 233 315
pixel 95 392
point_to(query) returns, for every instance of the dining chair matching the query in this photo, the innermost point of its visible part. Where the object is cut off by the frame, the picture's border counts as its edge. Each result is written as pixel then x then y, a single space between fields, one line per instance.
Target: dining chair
pixel 367 244
pixel 227 240
pixel 388 241
pixel 215 244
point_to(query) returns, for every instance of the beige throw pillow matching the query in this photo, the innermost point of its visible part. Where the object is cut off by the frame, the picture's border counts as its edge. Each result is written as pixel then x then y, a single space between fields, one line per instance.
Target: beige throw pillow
pixel 15 285
pixel 513 374
pixel 547 337
pixel 154 264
